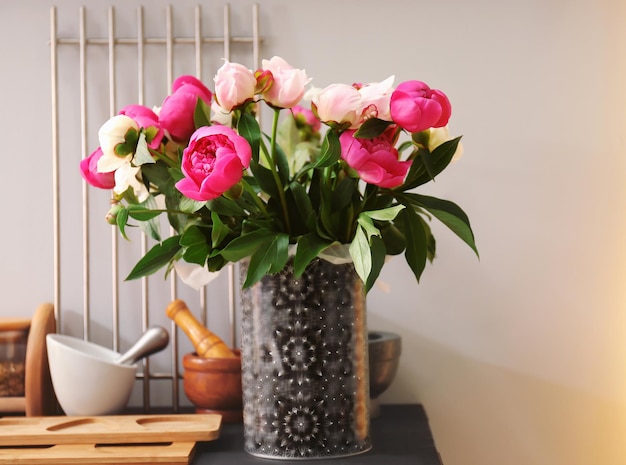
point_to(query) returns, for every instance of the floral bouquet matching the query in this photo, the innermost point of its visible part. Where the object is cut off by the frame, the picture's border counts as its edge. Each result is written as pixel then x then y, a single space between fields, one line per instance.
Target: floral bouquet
pixel 343 191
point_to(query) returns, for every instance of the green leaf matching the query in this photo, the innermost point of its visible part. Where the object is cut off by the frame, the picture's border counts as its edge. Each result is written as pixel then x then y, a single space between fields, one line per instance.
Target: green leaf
pixel 330 151
pixel 282 164
pixel 405 145
pixel 287 136
pixel 188 205
pixel 150 226
pixel 176 220
pixel 151 229
pixel 393 239
pixel 416 240
pixel 299 208
pixel 201 114
pixel 246 244
pixel 265 179
pixel 302 200
pixel 368 225
pixel 371 128
pixel 270 259
pixel 387 214
pixel 378 253
pixel 361 254
pixel 304 153
pixel 248 128
pixel 122 219
pixel 225 207
pixel 278 252
pixel 449 214
pixel 142 154
pixel 140 213
pixel 309 247
pixel 194 243
pixel 156 258
pixel 437 161
pixel 344 192
pixel 159 175
pixel 220 231
pixel 326 209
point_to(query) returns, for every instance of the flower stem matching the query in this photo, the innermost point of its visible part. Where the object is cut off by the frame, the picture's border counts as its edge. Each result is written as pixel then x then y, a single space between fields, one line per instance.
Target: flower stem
pixel 165 158
pixel 273 157
pixel 396 135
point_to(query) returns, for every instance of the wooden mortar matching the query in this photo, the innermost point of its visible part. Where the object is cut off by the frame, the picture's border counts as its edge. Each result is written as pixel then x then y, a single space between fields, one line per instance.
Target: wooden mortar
pixel 213 385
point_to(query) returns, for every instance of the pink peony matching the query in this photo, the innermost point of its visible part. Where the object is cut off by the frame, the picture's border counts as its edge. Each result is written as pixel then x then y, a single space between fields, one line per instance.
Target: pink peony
pixel 375 160
pixel 176 115
pixel 234 85
pixel 213 162
pixel 288 84
pixel 416 107
pixel 145 118
pixel 90 173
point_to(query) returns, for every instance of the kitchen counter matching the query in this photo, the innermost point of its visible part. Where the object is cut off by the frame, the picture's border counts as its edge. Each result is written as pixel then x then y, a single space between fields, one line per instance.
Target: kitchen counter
pixel 400 436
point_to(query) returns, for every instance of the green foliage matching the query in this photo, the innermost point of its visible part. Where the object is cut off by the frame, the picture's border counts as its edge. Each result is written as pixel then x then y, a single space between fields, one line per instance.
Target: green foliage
pixel 201 114
pixel 373 127
pixel 297 198
pixel 156 258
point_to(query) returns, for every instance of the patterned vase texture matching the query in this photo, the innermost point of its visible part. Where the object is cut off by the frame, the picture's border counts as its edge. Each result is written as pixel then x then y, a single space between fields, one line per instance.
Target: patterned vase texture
pixel 305 364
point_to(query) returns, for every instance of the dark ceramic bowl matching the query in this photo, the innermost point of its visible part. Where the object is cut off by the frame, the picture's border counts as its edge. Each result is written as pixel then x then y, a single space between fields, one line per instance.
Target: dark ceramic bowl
pixel 384 356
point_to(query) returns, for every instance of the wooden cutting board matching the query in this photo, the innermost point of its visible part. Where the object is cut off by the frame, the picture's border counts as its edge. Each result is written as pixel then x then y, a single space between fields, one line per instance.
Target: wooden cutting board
pixel 112 429
pixel 177 453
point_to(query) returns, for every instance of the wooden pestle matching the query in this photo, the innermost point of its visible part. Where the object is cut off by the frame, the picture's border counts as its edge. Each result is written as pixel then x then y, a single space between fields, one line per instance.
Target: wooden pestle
pixel 206 343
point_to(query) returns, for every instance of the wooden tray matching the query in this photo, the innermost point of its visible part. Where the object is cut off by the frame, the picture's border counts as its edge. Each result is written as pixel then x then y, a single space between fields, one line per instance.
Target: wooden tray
pixel 177 453
pixel 112 429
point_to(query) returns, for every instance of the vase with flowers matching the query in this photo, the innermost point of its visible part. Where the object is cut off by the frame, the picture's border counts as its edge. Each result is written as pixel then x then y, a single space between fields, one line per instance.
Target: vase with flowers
pixel 310 210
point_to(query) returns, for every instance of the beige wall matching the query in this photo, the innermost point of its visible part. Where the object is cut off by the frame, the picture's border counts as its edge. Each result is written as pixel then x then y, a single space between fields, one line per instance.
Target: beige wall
pixel 519 358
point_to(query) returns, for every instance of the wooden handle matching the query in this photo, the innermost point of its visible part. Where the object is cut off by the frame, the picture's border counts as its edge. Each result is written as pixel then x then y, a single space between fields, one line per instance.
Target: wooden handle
pixel 206 343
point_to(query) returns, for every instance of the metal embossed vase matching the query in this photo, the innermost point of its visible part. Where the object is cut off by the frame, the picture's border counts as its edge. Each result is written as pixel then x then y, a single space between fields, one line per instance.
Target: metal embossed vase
pixel 305 364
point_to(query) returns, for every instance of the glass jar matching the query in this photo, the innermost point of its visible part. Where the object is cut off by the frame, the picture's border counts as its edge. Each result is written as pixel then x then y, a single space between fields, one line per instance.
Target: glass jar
pixel 13 338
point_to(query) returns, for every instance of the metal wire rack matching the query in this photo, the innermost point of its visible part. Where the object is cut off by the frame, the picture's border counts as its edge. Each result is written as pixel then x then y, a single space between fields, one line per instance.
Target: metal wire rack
pixel 91 70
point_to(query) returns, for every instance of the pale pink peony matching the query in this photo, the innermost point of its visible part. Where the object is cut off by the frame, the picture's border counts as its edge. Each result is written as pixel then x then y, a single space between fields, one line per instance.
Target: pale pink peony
pixel 213 162
pixel 234 85
pixel 416 107
pixel 337 105
pixel 176 115
pixel 288 84
pixel 375 99
pixel 90 173
pixel 375 160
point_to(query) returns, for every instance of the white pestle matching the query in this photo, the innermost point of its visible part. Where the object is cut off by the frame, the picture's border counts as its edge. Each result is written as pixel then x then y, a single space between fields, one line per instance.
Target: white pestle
pixel 152 341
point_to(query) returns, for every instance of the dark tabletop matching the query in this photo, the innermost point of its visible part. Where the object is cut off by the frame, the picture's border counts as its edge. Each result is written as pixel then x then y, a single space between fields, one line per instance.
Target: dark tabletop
pixel 400 436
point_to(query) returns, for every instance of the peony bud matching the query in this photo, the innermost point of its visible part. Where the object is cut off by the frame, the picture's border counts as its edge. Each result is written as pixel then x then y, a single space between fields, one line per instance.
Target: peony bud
pixel 111 216
pixel 289 83
pixel 234 85
pixel 416 107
